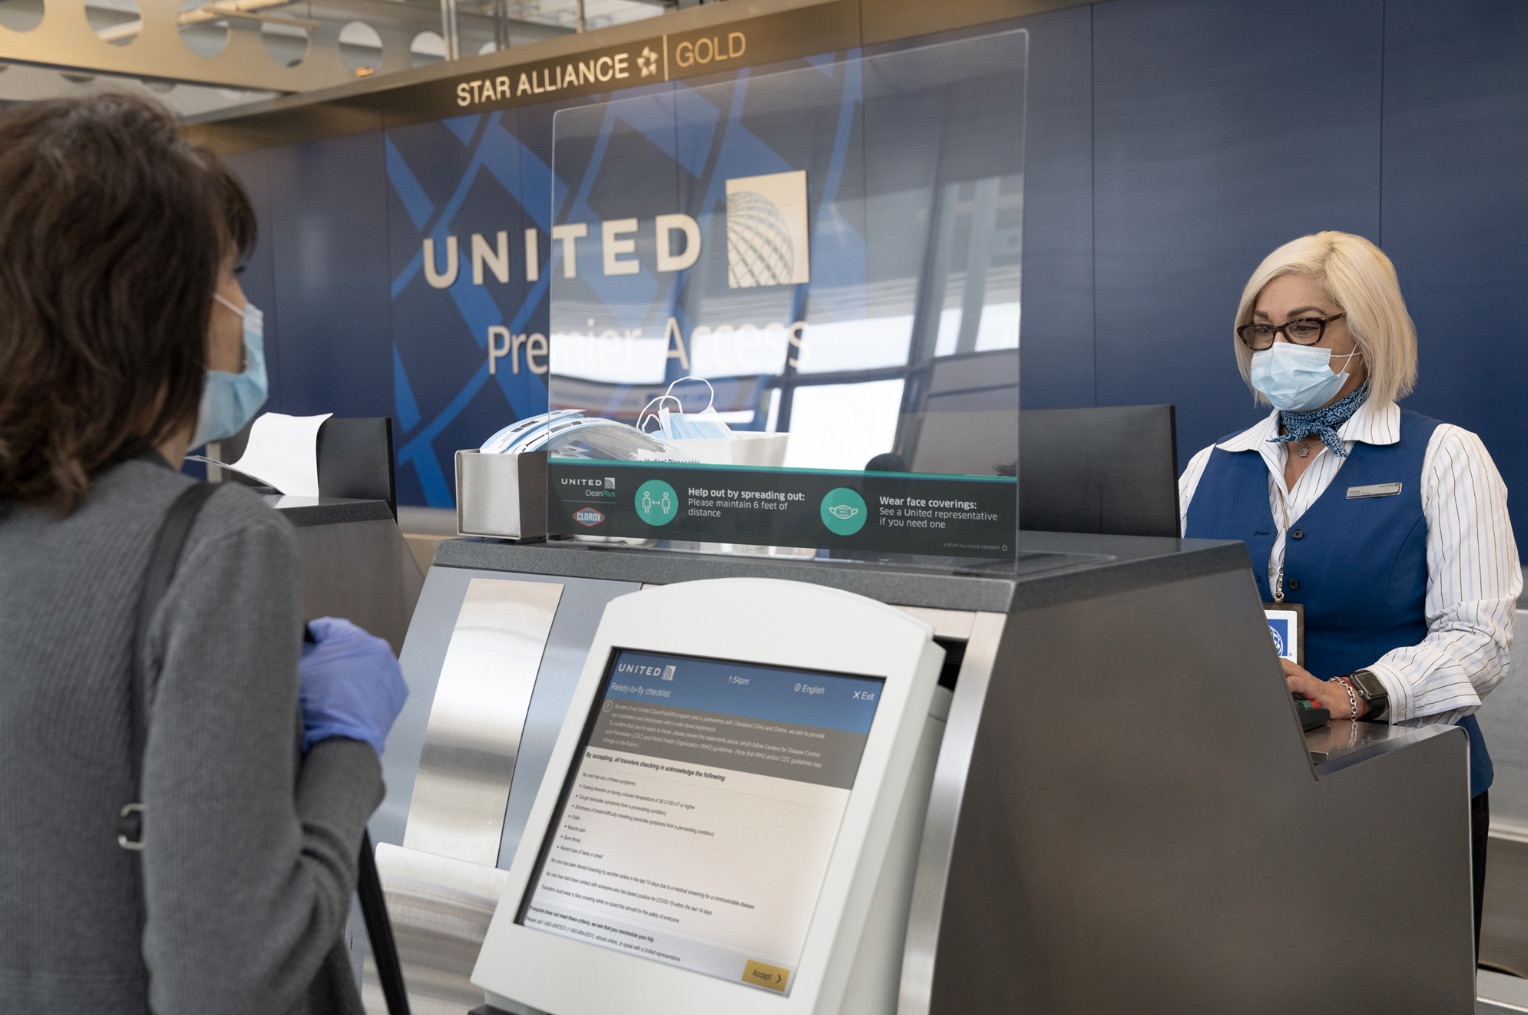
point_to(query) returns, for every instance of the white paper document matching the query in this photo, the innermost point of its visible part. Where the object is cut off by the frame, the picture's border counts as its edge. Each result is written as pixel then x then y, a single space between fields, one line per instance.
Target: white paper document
pixel 283 452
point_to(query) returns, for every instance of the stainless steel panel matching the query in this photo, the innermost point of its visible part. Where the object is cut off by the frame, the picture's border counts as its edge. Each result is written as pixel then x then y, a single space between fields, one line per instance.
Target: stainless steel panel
pixel 875 978
pixel 440 909
pixel 473 736
pixel 1499 994
pixel 1343 742
pixel 362 571
pixel 1504 917
pixel 984 632
pixel 426 949
pixel 424 653
pixel 1504 724
pixel 583 604
pixel 1336 739
pixel 953 624
pixel 423 659
pixel 1140 817
pixel 501 495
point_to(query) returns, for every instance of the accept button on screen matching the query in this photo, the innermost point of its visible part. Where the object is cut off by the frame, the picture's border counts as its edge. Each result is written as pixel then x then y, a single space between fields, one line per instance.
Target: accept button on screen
pixel 768 977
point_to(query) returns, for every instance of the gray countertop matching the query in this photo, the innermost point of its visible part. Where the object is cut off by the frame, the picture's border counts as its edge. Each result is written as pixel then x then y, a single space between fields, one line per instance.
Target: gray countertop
pixel 1051 568
pixel 305 511
pixel 1344 742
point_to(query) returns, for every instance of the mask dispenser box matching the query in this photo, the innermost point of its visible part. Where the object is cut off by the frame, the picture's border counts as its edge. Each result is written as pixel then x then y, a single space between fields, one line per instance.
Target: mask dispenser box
pixel 502 494
pixel 732 812
pixel 501 487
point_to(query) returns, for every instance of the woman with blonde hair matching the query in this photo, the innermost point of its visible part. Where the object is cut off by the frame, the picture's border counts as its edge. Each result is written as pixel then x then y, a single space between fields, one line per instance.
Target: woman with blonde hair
pixel 1388 528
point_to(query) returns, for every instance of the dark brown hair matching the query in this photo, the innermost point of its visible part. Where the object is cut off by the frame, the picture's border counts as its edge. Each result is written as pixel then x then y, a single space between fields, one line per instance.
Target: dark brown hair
pixel 237 220
pixel 112 233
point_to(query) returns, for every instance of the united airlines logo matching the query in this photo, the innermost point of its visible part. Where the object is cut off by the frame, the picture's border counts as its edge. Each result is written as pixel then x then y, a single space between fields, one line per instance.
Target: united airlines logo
pixel 1280 630
pixel 768 242
pixel 588 517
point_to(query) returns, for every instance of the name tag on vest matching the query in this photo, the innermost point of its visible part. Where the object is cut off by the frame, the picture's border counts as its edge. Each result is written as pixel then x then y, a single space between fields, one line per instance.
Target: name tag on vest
pixel 1377 490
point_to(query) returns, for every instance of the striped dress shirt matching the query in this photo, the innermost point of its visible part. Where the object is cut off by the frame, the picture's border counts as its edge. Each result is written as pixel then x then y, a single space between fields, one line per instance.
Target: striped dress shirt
pixel 1473 573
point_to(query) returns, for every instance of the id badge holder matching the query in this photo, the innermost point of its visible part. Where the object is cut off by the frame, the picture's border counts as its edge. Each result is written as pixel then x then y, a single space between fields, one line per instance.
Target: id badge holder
pixel 1286 622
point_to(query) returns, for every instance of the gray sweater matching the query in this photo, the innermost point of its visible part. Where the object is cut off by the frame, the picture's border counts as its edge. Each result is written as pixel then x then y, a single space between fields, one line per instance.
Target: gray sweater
pixel 250 850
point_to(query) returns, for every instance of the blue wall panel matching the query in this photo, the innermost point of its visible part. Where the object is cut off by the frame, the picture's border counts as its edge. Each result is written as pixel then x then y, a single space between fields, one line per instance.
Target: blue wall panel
pixel 1222 129
pixel 1170 145
pixel 1455 214
pixel 258 277
pixel 454 179
pixel 1057 329
pixel 328 237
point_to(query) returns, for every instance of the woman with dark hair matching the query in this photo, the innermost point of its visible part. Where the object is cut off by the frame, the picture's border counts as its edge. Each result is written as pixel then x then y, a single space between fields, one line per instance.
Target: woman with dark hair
pixel 124 340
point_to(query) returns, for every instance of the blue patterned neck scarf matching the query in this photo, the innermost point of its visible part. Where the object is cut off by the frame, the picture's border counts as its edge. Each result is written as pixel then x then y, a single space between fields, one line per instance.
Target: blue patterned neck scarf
pixel 1324 421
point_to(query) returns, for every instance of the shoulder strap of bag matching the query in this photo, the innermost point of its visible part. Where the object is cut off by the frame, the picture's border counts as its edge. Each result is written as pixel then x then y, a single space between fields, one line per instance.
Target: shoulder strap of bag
pixel 379 931
pixel 164 558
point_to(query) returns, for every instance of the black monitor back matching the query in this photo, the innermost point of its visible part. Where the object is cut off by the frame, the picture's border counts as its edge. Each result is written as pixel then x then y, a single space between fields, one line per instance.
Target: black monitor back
pixel 355 459
pixel 1109 470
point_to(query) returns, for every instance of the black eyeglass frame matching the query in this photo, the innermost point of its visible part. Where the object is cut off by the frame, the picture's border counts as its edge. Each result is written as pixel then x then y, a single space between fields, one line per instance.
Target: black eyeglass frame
pixel 1319 322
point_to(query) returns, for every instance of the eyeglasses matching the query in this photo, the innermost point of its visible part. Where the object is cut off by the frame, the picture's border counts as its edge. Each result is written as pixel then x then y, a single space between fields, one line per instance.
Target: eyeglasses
pixel 1301 331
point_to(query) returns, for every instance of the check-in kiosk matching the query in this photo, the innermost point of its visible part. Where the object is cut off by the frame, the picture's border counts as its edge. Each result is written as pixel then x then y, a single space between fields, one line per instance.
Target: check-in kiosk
pixel 713 827
pixel 1080 785
pixel 1121 815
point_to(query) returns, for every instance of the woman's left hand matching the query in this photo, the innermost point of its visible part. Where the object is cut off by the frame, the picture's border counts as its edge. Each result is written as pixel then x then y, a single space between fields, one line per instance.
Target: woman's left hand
pixel 1324 693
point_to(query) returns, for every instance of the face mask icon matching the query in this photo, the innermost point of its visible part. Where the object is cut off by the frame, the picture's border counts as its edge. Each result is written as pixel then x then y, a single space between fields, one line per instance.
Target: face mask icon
pixel 843 511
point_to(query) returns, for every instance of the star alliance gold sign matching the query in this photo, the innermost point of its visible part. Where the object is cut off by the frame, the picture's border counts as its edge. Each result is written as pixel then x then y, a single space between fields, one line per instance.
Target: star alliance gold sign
pixel 641 63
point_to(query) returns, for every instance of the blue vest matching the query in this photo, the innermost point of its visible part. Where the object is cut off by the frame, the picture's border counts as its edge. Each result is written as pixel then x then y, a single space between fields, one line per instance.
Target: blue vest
pixel 1359 567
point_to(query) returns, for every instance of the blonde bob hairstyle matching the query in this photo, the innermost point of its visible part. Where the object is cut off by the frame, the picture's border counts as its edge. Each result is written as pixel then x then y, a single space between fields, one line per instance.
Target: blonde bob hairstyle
pixel 1360 279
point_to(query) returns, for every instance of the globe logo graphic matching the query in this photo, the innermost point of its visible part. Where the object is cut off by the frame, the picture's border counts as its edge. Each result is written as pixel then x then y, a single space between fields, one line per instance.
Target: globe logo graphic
pixel 759 247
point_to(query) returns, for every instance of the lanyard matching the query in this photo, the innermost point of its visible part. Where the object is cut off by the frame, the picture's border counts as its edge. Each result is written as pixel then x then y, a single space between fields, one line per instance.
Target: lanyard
pixel 1276 562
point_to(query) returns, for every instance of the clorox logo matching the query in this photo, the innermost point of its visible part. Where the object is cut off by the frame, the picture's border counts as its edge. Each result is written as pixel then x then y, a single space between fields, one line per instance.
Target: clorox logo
pixel 588 516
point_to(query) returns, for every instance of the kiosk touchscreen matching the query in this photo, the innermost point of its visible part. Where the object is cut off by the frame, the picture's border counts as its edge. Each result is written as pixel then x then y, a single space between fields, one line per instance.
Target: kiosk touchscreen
pixel 718 807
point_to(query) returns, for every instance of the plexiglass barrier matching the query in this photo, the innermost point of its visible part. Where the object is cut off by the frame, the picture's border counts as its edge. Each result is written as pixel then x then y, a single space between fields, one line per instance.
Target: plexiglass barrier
pixel 785 310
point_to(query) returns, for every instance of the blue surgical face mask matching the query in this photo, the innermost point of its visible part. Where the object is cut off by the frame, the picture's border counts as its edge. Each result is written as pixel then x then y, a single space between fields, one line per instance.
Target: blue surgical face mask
pixel 1296 378
pixel 230 401
pixel 681 425
pixel 704 425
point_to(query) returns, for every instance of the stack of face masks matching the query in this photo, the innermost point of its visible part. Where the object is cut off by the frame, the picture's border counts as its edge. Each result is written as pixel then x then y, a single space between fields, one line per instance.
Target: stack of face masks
pixel 568 433
pixel 680 425
pixel 518 436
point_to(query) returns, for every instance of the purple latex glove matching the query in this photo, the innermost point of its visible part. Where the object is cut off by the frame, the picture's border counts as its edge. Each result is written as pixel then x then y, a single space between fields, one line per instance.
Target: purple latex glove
pixel 351 685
